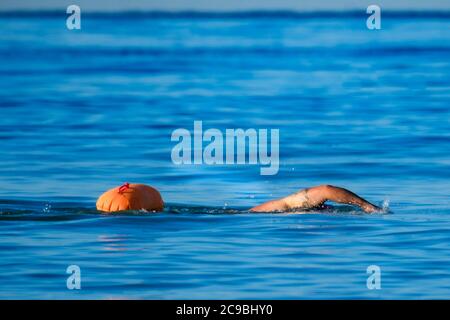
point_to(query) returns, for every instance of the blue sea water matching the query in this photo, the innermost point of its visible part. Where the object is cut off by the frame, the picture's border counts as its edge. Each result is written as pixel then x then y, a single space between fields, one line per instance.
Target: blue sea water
pixel 85 110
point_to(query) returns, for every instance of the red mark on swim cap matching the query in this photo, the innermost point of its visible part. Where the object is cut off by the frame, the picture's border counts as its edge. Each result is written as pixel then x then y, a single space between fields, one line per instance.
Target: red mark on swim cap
pixel 124 187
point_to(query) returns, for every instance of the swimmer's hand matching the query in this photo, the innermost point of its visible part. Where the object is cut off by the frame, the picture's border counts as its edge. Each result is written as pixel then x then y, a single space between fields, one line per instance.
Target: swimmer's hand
pixel 370 208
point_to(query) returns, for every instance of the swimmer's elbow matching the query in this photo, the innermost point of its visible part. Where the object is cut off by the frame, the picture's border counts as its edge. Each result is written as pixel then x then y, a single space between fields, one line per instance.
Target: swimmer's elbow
pixel 326 188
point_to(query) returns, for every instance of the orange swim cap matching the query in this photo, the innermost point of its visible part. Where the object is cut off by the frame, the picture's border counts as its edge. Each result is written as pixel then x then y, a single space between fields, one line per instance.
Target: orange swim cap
pixel 130 196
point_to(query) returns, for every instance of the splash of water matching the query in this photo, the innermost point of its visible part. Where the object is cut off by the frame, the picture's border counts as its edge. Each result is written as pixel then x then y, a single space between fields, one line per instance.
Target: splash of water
pixel 385 206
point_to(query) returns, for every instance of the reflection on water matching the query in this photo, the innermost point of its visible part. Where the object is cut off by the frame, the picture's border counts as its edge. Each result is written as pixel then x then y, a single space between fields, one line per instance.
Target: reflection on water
pixel 113 242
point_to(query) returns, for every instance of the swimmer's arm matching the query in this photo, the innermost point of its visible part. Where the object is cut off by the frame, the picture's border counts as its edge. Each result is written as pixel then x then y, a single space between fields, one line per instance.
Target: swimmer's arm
pixel 271 206
pixel 319 195
pixel 316 197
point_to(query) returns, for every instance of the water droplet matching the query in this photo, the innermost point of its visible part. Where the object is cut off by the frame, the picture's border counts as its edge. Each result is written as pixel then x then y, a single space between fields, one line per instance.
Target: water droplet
pixel 47 208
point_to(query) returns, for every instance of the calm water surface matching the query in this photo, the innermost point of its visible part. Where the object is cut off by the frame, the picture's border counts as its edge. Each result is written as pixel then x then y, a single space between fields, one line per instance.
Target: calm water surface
pixel 83 111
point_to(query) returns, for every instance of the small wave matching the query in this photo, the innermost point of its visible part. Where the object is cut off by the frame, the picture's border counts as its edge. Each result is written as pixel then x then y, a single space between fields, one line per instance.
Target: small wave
pixel 203 210
pixel 45 210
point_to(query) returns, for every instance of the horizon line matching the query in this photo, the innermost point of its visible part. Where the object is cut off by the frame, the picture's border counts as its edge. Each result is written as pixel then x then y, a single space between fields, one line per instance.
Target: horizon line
pixel 411 13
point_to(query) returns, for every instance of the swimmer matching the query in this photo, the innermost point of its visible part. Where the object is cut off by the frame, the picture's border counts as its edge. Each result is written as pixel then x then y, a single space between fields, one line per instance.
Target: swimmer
pixel 315 198
pixel 139 196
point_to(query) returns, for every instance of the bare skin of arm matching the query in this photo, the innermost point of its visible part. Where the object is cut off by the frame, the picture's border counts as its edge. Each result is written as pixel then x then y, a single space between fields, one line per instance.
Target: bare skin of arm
pixel 316 197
